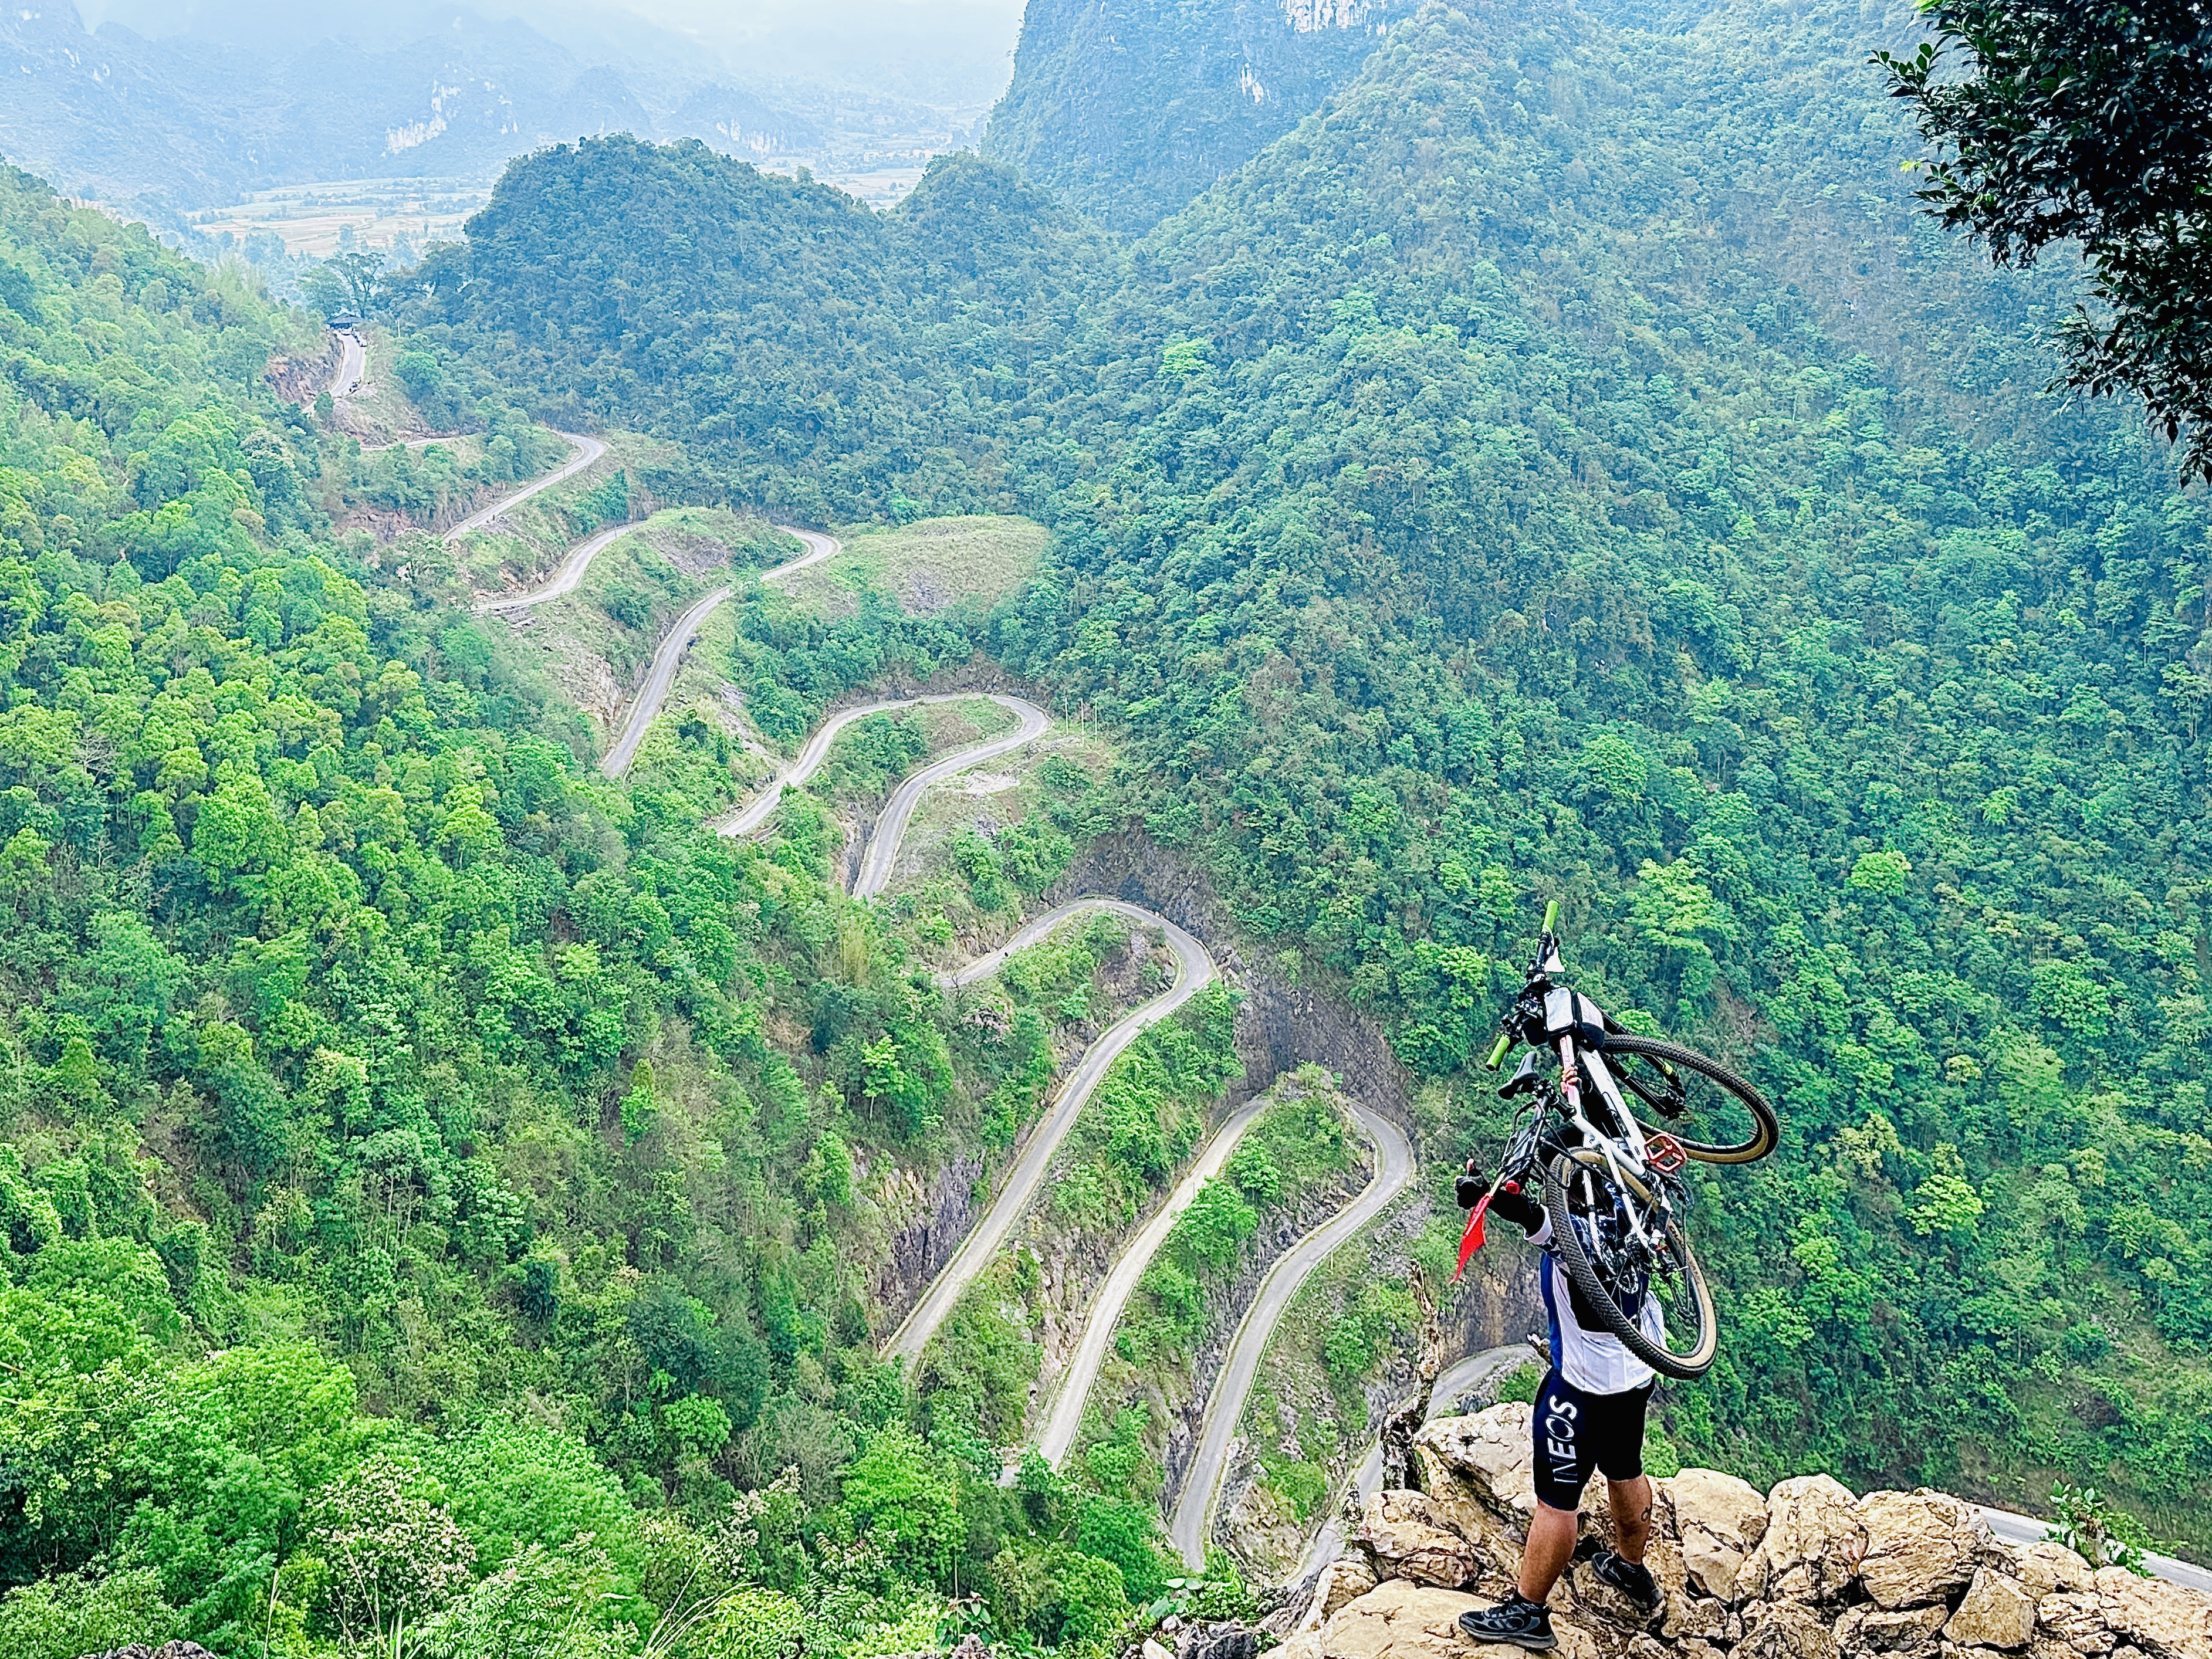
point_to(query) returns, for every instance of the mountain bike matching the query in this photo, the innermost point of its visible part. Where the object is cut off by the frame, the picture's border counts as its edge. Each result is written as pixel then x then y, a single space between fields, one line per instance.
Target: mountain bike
pixel 1613 1184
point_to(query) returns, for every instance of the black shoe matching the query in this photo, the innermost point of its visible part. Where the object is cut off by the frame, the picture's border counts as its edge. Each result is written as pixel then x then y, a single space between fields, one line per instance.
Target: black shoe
pixel 1631 1579
pixel 1517 1621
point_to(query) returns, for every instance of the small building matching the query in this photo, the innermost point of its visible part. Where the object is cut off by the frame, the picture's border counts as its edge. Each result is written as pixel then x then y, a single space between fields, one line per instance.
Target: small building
pixel 345 319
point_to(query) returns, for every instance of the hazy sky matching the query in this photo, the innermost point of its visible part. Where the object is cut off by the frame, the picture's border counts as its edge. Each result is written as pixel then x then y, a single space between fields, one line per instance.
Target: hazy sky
pixel 960 48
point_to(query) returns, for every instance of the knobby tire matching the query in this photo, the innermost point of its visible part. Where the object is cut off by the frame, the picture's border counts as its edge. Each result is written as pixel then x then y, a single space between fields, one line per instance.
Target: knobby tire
pixel 1567 1245
pixel 1766 1136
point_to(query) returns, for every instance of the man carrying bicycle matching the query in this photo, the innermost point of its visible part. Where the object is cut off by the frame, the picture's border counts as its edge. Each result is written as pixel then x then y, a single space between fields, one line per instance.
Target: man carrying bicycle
pixel 1588 1417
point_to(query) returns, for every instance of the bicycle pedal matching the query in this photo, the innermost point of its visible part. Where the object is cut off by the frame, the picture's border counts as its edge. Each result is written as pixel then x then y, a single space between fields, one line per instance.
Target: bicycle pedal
pixel 1664 1153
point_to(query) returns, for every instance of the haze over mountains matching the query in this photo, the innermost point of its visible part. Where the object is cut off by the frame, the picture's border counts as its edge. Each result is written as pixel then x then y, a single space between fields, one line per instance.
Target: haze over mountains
pixel 194 107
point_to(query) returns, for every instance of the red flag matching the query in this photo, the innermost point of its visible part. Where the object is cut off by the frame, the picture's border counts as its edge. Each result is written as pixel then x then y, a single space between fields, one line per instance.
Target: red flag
pixel 1470 1241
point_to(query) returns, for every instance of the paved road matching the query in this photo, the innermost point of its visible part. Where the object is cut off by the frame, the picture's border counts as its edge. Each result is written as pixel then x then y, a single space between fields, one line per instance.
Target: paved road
pixel 667 659
pixel 1195 970
pixel 1225 1406
pixel 587 451
pixel 353 366
pixel 2027 1530
pixel 563 580
pixel 1105 1309
pixel 891 827
pixel 1454 1384
pixel 881 858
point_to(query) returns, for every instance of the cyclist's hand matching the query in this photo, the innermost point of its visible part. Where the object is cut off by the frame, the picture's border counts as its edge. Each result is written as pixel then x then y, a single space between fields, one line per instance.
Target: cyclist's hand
pixel 1471 1187
pixel 1515 1206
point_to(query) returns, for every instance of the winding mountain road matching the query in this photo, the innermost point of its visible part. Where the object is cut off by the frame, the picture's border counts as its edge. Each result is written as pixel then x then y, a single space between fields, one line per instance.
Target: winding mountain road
pixel 1225 1406
pixel 564 579
pixel 1194 971
pixel 658 679
pixel 890 827
pixel 353 366
pixel 1060 1428
pixel 588 450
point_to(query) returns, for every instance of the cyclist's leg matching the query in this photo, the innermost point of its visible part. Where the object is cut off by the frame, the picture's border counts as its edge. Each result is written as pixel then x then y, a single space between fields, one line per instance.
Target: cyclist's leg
pixel 1565 1454
pixel 1618 1452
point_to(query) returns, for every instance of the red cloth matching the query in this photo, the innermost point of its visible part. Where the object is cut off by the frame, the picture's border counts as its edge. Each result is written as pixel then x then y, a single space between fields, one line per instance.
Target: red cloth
pixel 1470 1241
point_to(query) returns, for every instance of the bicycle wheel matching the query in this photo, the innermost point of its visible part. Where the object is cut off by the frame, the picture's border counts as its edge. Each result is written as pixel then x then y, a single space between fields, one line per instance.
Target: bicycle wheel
pixel 1717 1116
pixel 1685 1301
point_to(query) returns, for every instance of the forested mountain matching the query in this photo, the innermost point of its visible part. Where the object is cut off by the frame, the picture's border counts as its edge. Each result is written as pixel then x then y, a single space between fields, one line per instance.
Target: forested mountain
pixel 1565 465
pixel 1129 110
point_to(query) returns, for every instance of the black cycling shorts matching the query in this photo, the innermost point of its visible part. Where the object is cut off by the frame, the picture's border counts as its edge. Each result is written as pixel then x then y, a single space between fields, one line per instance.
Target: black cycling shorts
pixel 1576 1433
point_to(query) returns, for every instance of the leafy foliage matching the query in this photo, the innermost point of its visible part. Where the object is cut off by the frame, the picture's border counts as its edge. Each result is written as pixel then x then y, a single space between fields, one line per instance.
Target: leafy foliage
pixel 2090 125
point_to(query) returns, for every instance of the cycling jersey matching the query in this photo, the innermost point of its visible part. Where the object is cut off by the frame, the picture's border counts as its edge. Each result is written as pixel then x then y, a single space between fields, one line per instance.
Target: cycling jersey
pixel 1583 1352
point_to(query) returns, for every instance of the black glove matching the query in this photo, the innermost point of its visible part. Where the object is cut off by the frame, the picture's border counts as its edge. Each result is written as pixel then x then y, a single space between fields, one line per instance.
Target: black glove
pixel 1471 1187
pixel 1515 1206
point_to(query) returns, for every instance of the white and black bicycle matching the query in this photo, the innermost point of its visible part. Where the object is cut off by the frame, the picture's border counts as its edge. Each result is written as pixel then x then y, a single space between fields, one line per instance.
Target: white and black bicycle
pixel 1613 1183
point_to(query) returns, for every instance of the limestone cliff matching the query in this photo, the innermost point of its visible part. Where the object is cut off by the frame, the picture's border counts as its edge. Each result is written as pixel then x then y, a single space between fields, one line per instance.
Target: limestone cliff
pixel 1805 1571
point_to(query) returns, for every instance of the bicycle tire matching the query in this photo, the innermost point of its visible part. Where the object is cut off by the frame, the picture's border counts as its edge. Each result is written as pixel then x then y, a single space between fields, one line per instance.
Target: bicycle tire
pixel 1567 1245
pixel 1767 1132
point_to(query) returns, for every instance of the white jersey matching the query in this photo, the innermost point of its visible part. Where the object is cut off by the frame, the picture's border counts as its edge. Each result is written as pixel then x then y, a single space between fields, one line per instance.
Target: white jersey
pixel 1596 1362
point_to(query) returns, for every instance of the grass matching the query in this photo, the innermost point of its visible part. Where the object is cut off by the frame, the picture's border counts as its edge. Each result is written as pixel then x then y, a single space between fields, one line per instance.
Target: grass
pixel 928 565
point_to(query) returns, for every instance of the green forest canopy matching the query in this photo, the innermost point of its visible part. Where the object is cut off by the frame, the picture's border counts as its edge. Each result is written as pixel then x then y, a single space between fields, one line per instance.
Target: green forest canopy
pixel 1570 465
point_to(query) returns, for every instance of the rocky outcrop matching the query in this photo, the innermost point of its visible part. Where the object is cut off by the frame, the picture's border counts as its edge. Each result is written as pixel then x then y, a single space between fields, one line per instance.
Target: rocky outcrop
pixel 1804 1571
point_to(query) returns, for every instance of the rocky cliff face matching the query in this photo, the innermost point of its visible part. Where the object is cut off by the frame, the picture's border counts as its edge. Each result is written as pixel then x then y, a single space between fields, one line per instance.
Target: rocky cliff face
pixel 1130 108
pixel 1805 1571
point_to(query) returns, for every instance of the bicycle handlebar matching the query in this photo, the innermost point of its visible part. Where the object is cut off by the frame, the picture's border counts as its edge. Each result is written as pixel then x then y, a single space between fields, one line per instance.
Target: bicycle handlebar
pixel 1497 1050
pixel 1551 916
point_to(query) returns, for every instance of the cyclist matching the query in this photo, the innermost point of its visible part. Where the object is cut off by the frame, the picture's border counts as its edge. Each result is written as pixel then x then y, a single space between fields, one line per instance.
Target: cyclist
pixel 1589 1416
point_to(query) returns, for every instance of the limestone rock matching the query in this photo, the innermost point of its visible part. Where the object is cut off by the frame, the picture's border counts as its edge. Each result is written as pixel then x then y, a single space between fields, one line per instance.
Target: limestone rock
pixel 1997 1613
pixel 2163 1619
pixel 2047 1568
pixel 1225 1640
pixel 1348 1577
pixel 2073 1619
pixel 1787 1630
pixel 1921 1547
pixel 1411 1537
pixel 1866 1628
pixel 1694 1617
pixel 1398 1621
pixel 1812 1545
pixel 1721 1521
pixel 1152 1649
pixel 1492 1449
pixel 1470 1513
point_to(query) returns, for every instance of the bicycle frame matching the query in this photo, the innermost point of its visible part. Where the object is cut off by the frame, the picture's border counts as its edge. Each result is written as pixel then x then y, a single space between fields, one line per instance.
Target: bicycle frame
pixel 1636 1163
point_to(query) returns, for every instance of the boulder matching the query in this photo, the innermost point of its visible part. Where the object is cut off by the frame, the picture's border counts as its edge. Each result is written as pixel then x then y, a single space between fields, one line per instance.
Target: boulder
pixel 1921 1547
pixel 1721 1520
pixel 1694 1617
pixel 1465 1508
pixel 2045 1568
pixel 1491 1450
pixel 2163 1619
pixel 1812 1545
pixel 1398 1620
pixel 1412 1538
pixel 1997 1613
pixel 1348 1577
pixel 1225 1640
pixel 1786 1630
pixel 2074 1621
pixel 1866 1628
